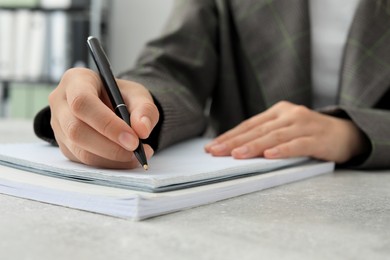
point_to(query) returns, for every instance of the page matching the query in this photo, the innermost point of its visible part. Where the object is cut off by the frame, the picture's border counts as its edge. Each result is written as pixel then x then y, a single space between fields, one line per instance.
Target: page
pixel 183 165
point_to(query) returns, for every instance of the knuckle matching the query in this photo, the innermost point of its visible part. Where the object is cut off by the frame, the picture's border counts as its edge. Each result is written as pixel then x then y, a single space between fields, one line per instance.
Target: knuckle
pixel 248 124
pixel 283 104
pixel 68 154
pixel 300 111
pixel 52 98
pixel 53 124
pixel 73 130
pixel 262 130
pixel 74 76
pixel 84 156
pixel 72 72
pixel 279 137
pixel 107 124
pixel 119 154
pixel 78 103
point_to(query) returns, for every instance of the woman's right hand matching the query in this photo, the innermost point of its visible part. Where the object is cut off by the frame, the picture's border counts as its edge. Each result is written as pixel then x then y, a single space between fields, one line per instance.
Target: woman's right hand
pixel 86 128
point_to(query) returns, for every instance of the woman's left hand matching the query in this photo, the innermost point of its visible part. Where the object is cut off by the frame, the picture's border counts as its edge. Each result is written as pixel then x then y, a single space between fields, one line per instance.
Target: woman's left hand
pixel 289 130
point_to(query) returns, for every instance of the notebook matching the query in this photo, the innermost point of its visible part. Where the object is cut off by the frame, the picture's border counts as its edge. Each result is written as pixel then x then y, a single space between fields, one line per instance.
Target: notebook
pixel 179 177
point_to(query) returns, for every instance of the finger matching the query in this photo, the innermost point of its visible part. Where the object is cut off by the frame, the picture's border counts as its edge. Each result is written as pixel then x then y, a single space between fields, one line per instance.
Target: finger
pixel 242 128
pixel 276 111
pixel 228 146
pixel 91 110
pixel 75 134
pixel 144 113
pixel 295 148
pixel 83 137
pixel 100 162
pixel 256 147
pixel 85 102
pixel 83 156
pixel 68 154
pixel 97 161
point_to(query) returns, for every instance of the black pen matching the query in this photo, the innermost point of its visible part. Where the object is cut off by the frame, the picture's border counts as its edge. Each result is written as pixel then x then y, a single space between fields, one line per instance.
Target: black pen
pixel 113 92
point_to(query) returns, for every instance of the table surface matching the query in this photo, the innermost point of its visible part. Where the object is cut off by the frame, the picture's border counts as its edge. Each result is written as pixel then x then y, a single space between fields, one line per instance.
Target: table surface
pixel 341 215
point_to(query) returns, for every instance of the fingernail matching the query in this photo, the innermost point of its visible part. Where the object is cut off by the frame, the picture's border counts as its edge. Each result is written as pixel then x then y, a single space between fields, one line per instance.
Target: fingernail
pixel 209 145
pixel 273 152
pixel 219 148
pixel 149 153
pixel 147 123
pixel 241 151
pixel 128 141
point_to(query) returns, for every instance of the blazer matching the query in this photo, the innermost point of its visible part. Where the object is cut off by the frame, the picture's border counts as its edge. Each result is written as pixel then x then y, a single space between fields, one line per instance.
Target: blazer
pixel 219 62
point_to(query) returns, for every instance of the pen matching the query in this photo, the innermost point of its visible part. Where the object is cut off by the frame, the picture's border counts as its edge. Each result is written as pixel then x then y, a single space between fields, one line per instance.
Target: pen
pixel 113 92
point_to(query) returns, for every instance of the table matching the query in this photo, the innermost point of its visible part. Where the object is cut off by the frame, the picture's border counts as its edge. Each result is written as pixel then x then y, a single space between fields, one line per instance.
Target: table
pixel 341 215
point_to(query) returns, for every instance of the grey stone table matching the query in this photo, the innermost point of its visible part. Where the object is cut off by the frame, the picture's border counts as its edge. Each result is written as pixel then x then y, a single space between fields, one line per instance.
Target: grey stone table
pixel 341 215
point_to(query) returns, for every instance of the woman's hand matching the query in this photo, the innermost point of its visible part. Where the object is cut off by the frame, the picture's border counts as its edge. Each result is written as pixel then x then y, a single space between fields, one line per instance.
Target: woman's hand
pixel 288 130
pixel 86 128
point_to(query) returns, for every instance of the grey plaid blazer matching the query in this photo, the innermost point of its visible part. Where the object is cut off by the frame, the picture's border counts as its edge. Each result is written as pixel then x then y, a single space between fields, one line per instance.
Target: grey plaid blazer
pixel 246 55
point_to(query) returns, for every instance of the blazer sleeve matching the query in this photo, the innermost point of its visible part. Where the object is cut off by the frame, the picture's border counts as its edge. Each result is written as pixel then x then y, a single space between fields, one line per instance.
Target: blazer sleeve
pixel 375 124
pixel 179 69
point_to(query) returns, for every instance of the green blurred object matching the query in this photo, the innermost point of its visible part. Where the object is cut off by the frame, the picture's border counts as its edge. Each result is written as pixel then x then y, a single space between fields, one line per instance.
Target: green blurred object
pixel 25 100
pixel 19 3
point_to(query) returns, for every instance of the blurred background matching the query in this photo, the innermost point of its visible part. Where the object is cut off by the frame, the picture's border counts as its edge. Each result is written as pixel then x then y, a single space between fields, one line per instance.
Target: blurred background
pixel 40 39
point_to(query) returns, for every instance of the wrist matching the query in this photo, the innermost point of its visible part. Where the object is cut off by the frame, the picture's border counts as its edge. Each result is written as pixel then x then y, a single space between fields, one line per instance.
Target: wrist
pixel 358 143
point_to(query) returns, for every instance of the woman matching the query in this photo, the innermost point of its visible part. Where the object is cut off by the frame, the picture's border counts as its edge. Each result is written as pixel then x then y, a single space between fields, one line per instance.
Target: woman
pixel 258 62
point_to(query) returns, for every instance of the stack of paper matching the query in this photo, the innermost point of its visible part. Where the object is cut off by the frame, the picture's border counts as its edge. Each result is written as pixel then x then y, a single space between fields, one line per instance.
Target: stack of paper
pixel 181 176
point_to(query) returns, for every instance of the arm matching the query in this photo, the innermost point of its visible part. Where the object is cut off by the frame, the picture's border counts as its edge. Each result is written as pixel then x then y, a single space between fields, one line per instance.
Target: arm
pixel 180 68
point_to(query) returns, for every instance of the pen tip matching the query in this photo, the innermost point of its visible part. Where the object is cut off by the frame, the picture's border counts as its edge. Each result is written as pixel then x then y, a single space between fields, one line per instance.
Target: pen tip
pixel 146 167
